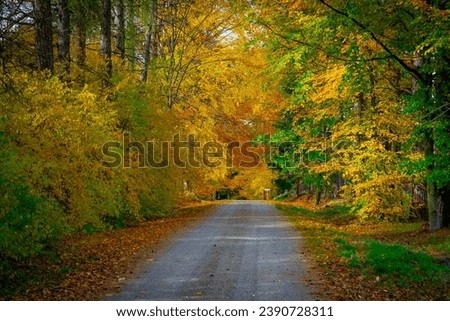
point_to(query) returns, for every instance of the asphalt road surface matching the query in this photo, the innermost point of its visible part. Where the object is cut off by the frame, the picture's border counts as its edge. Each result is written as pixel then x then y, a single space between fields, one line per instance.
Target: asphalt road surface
pixel 245 250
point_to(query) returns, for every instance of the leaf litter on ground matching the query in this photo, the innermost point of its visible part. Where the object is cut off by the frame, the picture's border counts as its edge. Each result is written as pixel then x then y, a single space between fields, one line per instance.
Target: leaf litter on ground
pixel 92 267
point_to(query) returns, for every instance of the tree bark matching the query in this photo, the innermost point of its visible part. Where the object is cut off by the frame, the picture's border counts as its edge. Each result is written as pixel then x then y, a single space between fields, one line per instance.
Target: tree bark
pixel 63 35
pixel 434 198
pixel 318 196
pixel 105 43
pixel 150 51
pixel 44 42
pixel 80 24
pixel 299 186
pixel 435 202
pixel 119 21
pixel 81 44
pixel 445 194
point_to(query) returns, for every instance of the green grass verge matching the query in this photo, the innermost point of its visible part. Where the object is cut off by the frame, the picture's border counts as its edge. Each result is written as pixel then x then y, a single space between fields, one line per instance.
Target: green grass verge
pixel 397 261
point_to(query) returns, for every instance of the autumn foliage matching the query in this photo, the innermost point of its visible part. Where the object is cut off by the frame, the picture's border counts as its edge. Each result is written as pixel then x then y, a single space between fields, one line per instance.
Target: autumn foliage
pixel 157 71
pixel 367 104
pixel 350 100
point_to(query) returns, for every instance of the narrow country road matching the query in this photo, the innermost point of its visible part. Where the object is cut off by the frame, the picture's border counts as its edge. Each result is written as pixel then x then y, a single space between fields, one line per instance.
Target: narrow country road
pixel 245 250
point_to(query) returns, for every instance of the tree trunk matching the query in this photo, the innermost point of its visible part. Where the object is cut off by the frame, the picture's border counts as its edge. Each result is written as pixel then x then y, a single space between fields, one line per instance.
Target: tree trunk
pixel 435 203
pixel 318 196
pixel 359 109
pixel 299 186
pixel 44 43
pixel 434 198
pixel 131 32
pixel 119 21
pixel 151 41
pixel 80 22
pixel 445 194
pixel 63 36
pixel 81 43
pixel 105 42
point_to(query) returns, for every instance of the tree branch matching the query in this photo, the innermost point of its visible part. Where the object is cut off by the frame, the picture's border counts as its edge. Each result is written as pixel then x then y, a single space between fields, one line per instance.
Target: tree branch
pixel 303 43
pixel 416 74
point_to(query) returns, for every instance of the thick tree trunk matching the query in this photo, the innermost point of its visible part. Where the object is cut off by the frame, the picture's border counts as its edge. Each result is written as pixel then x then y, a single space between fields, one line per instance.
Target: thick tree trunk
pixel 63 35
pixel 445 194
pixel 106 41
pixel 435 204
pixel 44 43
pixel 151 41
pixel 434 198
pixel 119 21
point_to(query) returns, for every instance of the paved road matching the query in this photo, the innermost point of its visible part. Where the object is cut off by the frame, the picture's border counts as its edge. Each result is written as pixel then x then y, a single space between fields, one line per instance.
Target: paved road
pixel 245 250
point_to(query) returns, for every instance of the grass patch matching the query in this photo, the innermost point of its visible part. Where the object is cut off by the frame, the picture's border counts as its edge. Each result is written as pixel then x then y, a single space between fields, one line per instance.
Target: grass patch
pixel 396 262
pixel 383 261
pixel 347 251
pixel 333 214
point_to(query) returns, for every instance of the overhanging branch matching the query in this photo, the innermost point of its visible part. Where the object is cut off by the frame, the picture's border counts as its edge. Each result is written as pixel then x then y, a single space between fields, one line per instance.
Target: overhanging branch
pixel 416 74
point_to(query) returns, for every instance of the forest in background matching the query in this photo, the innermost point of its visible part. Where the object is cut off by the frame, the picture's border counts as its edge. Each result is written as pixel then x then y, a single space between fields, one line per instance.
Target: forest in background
pixel 352 98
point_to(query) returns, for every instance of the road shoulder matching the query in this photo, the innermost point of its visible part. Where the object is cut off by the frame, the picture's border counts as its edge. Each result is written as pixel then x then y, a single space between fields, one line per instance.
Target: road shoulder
pixel 91 267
